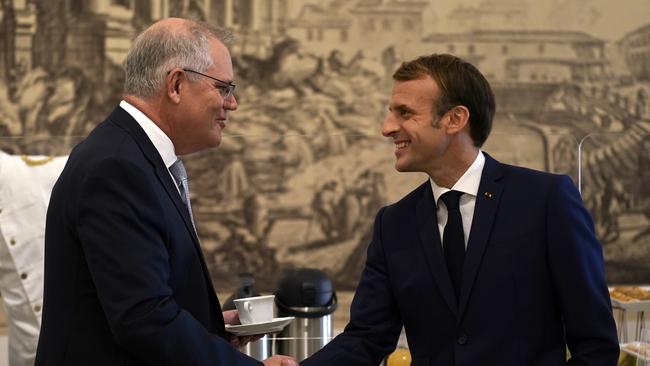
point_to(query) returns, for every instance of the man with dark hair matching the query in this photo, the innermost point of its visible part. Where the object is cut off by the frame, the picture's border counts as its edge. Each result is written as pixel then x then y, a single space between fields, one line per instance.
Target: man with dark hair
pixel 485 263
pixel 125 279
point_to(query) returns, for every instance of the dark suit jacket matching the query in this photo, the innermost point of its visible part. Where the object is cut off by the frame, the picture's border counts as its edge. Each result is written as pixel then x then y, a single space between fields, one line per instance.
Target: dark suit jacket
pixel 533 282
pixel 125 279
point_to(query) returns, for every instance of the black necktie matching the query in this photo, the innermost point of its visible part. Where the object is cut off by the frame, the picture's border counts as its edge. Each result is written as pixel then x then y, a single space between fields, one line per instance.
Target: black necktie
pixel 453 240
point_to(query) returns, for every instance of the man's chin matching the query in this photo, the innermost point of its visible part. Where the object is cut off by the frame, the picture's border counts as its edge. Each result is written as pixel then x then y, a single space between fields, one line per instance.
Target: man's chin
pixel 215 138
pixel 401 163
pixel 215 143
pixel 402 168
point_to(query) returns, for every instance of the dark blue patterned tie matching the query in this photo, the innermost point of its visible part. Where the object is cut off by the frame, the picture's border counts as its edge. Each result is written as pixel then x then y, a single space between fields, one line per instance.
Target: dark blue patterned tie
pixel 453 240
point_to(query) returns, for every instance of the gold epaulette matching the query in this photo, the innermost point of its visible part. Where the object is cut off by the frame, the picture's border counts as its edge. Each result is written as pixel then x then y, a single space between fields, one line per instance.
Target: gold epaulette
pixel 36 162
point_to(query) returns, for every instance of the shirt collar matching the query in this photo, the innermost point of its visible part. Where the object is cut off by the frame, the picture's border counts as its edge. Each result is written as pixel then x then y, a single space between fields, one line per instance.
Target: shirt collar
pixel 468 182
pixel 158 138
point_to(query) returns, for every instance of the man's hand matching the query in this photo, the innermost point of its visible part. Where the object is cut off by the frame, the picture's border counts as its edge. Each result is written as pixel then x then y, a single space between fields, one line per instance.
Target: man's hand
pixel 279 360
pixel 232 317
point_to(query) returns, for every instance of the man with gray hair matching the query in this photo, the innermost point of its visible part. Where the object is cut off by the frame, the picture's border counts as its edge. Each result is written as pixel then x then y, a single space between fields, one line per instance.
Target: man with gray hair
pixel 125 279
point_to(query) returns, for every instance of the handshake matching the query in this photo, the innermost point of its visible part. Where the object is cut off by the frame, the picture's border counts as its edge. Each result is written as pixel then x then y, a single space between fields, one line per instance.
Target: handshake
pixel 279 360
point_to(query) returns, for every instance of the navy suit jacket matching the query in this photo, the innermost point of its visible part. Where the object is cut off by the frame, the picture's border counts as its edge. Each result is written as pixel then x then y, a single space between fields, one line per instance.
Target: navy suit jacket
pixel 533 282
pixel 125 279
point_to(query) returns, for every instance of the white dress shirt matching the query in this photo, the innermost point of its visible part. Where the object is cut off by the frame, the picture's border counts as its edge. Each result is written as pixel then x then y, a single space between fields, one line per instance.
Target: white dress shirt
pixel 25 186
pixel 468 184
pixel 159 139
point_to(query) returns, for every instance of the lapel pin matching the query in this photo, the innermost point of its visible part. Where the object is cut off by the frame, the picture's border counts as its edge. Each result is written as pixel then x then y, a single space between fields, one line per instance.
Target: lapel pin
pixel 487 194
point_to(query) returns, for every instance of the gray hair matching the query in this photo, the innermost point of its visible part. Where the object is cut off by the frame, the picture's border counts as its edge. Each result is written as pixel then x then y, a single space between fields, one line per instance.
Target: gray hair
pixel 157 50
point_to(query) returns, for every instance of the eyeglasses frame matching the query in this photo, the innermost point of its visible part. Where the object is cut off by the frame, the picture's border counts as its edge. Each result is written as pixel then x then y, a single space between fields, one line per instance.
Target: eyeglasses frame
pixel 230 85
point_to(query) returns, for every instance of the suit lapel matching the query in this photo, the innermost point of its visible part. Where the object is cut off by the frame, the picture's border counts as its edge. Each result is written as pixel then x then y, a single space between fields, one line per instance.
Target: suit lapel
pixel 432 247
pixel 123 119
pixel 172 191
pixel 126 121
pixel 487 202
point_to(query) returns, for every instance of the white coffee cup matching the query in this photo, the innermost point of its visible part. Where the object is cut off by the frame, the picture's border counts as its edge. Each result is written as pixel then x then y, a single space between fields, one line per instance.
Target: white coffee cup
pixel 254 310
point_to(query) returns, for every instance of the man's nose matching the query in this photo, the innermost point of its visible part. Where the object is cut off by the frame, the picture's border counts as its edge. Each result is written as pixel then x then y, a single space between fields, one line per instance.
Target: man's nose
pixel 390 126
pixel 230 103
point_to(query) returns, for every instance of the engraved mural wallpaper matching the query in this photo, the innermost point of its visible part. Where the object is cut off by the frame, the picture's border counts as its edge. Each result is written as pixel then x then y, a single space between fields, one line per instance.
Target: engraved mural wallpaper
pixel 303 167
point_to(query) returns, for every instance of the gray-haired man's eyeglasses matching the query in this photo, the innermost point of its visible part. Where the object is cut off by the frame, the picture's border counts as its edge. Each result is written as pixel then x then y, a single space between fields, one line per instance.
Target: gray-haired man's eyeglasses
pixel 225 88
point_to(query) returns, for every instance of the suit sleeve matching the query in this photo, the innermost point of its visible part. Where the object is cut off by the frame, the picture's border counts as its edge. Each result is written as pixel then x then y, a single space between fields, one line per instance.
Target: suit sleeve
pixel 123 234
pixel 577 268
pixel 375 323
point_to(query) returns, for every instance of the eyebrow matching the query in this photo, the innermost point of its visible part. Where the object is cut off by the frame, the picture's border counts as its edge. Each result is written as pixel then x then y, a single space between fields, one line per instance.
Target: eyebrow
pixel 225 81
pixel 401 107
pixel 219 82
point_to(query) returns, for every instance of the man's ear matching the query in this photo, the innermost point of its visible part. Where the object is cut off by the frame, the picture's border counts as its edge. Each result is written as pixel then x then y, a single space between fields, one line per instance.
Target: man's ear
pixel 174 82
pixel 458 119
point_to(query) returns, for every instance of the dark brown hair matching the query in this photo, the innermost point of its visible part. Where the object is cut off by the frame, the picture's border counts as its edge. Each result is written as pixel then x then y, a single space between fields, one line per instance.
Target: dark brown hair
pixel 460 83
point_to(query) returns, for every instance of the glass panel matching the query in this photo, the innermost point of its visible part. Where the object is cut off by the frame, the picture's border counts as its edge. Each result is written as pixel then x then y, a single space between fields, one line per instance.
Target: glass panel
pixel 614 188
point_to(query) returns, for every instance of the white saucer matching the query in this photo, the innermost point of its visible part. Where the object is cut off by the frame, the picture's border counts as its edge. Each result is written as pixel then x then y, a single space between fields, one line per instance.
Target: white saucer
pixel 274 326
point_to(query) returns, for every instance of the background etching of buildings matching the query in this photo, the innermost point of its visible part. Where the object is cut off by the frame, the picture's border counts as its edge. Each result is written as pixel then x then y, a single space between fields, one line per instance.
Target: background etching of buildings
pixel 303 168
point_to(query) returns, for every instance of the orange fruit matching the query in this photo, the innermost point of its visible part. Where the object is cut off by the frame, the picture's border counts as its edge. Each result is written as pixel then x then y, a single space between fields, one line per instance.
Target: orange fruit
pixel 399 357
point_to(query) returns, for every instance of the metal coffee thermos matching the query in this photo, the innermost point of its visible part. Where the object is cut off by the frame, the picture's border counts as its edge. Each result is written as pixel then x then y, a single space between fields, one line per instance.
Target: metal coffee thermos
pixel 307 295
pixel 260 349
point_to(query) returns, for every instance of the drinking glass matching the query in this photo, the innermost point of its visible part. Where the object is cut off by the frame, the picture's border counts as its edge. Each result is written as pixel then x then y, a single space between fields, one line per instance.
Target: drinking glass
pixel 643 343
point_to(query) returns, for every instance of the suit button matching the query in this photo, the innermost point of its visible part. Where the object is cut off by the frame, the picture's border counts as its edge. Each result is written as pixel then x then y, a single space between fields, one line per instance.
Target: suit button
pixel 37 308
pixel 23 276
pixel 12 241
pixel 462 339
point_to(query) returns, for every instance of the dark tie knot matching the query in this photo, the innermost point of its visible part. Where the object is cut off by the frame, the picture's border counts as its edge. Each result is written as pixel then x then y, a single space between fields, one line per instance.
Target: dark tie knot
pixel 451 198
